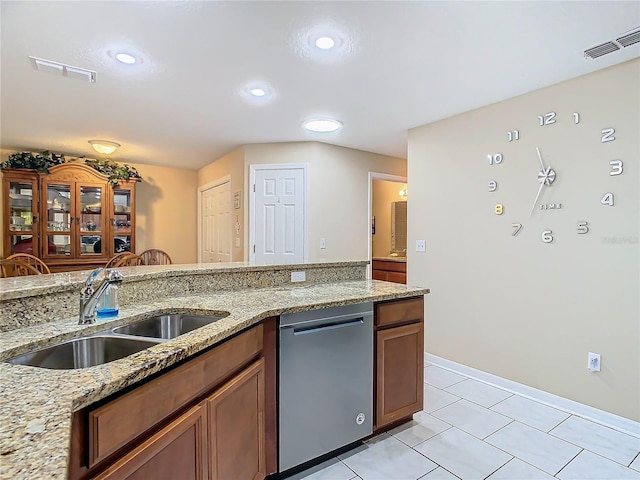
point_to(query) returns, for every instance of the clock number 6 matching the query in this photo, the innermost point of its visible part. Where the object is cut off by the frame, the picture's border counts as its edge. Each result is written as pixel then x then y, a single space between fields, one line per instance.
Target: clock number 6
pixel 547 236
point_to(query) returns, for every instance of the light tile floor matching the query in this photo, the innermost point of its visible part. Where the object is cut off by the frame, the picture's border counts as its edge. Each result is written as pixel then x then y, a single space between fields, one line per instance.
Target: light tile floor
pixel 470 430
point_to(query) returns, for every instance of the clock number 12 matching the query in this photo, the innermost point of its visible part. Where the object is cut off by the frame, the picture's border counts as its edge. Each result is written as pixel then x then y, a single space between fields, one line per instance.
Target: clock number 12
pixel 547 119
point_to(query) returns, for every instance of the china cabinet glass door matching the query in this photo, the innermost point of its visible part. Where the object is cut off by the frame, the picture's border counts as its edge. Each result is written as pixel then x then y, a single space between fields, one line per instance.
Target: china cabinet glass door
pixel 22 204
pixel 122 219
pixel 91 220
pixel 59 217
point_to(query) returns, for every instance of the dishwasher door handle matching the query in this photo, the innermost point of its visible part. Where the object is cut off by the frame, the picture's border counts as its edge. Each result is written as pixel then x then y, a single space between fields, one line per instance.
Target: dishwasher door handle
pixel 328 326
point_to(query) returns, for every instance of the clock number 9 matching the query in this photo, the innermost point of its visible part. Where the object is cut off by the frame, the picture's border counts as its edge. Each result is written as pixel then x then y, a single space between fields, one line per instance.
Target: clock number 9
pixel 493 186
pixel 547 236
pixel 496 158
pixel 616 167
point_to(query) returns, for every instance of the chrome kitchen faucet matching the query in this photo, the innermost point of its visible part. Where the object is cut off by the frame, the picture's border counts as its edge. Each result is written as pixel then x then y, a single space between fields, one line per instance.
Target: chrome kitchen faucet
pixel 89 298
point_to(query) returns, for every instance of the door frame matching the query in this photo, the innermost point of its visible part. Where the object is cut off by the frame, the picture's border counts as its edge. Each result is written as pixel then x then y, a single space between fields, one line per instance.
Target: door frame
pixel 253 168
pixel 201 189
pixel 388 178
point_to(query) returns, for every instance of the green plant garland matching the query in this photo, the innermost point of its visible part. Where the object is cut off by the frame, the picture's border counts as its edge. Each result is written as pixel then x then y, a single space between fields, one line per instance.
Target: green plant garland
pixel 43 161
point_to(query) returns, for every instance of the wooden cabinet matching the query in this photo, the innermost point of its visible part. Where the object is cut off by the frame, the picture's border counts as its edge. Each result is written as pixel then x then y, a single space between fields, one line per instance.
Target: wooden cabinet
pixel 71 218
pixel 236 414
pixel 208 414
pixel 389 271
pixel 399 353
pixel 176 451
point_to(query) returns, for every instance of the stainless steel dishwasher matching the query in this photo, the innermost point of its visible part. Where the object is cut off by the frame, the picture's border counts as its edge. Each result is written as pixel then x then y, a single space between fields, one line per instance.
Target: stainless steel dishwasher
pixel 325 381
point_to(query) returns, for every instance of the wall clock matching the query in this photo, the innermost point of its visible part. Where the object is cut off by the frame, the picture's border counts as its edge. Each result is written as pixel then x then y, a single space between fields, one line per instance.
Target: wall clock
pixel 543 174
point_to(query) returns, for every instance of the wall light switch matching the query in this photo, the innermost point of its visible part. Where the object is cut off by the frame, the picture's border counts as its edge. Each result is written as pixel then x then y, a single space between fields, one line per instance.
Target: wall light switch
pixel 421 246
pixel 237 242
pixel 323 243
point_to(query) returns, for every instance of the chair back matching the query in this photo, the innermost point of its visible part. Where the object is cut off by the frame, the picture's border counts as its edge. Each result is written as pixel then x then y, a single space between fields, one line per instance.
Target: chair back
pixel 16 268
pixel 116 258
pixel 154 256
pixel 31 260
pixel 126 259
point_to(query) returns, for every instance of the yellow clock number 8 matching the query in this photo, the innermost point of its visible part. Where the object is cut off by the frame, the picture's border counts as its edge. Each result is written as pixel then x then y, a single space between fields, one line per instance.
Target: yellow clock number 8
pixel 498 209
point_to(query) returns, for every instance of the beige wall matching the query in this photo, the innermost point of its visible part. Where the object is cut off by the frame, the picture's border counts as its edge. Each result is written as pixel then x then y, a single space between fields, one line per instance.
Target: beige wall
pixel 514 306
pixel 338 192
pixel 166 211
pixel 232 164
pixel 383 193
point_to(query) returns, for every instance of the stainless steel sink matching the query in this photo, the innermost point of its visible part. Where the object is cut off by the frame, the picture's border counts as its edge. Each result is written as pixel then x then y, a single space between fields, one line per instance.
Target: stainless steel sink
pixel 83 352
pixel 167 326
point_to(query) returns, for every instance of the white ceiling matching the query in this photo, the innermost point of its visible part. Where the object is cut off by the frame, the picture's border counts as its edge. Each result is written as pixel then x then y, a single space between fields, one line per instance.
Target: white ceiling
pixel 398 65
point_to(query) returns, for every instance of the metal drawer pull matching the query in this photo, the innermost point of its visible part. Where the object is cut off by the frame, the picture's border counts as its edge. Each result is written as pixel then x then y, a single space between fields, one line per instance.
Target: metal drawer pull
pixel 327 326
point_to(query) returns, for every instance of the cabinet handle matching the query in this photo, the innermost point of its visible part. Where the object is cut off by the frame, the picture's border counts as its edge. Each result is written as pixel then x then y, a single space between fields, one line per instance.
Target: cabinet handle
pixel 113 222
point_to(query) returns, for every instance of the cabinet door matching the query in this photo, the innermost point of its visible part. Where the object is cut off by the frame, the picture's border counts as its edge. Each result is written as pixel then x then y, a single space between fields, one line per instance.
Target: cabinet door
pixel 21 211
pixel 237 427
pixel 91 220
pixel 178 451
pixel 58 222
pixel 122 218
pixel 399 375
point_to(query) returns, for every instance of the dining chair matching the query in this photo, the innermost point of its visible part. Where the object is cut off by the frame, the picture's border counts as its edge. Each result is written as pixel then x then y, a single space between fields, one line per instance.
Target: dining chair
pixel 153 256
pixel 126 259
pixel 31 260
pixel 116 258
pixel 16 268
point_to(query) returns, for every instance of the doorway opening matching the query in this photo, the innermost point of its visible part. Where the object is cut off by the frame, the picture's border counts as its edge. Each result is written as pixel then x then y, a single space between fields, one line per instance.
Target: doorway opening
pixel 387 234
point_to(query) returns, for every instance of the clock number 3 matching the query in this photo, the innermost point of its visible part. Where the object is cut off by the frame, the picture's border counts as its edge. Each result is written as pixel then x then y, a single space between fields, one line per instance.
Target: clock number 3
pixel 616 167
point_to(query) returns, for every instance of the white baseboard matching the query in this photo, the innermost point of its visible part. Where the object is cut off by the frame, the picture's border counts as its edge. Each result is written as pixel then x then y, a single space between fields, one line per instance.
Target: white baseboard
pixel 607 419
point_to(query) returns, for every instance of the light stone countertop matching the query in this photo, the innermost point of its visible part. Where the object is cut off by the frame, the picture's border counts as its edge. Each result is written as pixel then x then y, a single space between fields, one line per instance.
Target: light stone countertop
pixel 36 404
pixel 391 259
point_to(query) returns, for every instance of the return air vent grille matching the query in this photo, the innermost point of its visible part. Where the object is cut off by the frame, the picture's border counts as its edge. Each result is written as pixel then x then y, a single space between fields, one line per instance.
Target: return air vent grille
pixel 57 68
pixel 601 50
pixel 629 39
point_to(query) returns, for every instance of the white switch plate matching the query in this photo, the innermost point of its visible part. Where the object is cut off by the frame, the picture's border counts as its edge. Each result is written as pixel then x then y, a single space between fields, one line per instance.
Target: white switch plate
pixel 298 277
pixel 593 362
pixel 421 246
pixel 323 243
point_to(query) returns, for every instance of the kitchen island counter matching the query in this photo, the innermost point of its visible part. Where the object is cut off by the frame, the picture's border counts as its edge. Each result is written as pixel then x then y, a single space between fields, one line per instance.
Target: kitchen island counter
pixel 37 404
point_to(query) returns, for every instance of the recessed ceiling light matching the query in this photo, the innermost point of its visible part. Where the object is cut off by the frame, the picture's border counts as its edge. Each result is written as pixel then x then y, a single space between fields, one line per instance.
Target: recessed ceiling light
pixel 322 125
pixel 258 92
pixel 325 43
pixel 125 58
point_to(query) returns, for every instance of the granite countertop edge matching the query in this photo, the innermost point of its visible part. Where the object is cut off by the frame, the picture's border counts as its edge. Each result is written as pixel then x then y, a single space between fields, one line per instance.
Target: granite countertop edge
pixel 37 404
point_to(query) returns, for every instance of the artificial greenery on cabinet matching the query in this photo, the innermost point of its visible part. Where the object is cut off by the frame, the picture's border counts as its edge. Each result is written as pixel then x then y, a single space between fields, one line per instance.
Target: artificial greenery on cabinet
pixel 44 160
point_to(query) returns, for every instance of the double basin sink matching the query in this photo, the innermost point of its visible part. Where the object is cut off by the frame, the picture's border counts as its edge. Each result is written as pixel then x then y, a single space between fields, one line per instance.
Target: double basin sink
pixel 113 344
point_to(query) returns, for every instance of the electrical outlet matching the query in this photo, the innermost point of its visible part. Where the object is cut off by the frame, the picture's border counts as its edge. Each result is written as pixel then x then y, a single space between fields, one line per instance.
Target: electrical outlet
pixel 421 246
pixel 594 362
pixel 298 277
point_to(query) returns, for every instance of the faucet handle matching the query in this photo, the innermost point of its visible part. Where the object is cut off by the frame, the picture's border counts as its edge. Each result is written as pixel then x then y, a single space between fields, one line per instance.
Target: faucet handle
pixel 87 290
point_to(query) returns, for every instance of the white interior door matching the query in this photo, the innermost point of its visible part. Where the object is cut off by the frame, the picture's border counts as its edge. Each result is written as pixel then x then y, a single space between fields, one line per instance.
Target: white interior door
pixel 215 223
pixel 278 206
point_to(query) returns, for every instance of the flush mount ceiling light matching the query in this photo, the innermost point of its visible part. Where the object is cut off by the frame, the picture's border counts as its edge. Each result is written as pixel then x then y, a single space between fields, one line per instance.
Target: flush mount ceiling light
pixel 322 125
pixel 104 146
pixel 125 58
pixel 258 92
pixel 325 43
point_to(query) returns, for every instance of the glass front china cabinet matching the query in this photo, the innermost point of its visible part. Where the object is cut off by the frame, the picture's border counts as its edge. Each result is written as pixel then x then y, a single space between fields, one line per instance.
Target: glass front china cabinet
pixel 79 222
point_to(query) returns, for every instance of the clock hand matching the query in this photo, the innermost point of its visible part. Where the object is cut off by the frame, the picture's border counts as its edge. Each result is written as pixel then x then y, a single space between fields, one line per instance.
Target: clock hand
pixel 537 196
pixel 540 157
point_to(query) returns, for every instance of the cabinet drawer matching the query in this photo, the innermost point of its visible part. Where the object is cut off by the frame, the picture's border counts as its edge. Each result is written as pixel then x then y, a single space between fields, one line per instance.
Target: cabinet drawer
pixel 399 311
pixel 118 422
pixel 398 277
pixel 389 266
pixel 380 275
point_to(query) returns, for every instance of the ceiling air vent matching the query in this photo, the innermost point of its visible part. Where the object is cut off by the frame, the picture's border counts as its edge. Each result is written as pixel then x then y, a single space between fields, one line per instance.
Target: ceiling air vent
pixel 601 50
pixel 57 68
pixel 629 39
